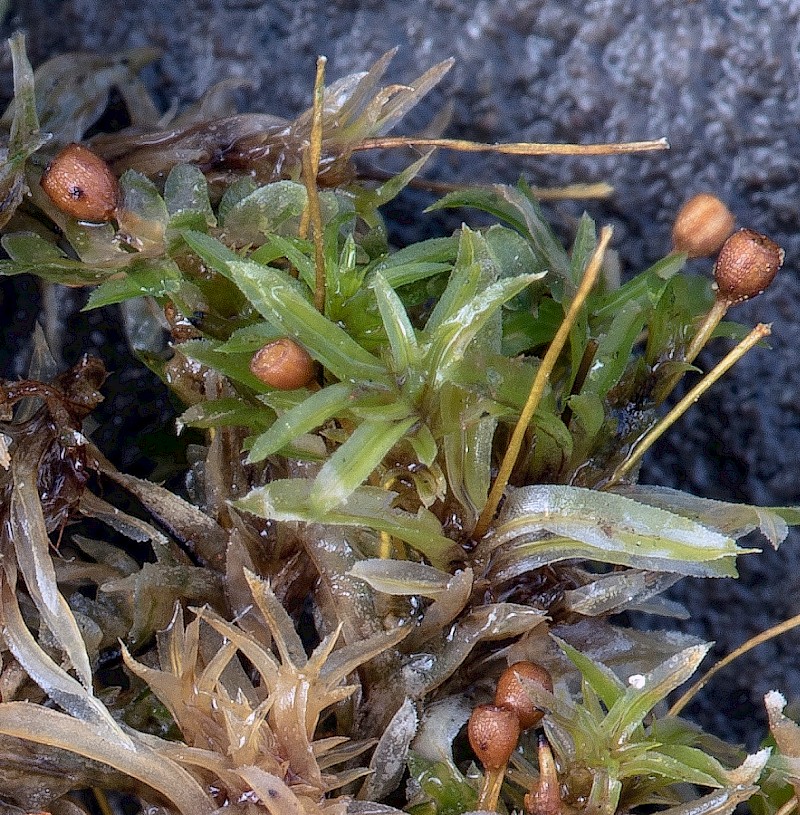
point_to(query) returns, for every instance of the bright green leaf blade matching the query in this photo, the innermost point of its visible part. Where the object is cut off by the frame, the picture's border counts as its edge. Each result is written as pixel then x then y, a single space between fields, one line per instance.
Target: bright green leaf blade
pixel 309 414
pixel 277 299
pixel 399 331
pixel 352 463
pixel 234 366
pixel 249 338
pixel 516 207
pixel 211 251
pixel 451 337
pixel 640 698
pixel 656 764
pixel 474 269
pixel 614 350
pixel 297 251
pixel 602 680
pixel 32 254
pixel 226 412
pixel 370 507
pixel 156 278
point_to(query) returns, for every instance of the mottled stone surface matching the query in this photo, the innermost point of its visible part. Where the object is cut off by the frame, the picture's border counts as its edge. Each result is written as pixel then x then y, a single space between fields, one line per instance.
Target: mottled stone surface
pixel 719 79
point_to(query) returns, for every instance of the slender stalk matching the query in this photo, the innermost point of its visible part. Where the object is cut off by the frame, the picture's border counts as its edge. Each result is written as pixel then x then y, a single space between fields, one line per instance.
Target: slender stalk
pixel 764 636
pixel 706 329
pixel 313 212
pixel 539 384
pixel 490 790
pixel 102 801
pixel 755 336
pixel 515 148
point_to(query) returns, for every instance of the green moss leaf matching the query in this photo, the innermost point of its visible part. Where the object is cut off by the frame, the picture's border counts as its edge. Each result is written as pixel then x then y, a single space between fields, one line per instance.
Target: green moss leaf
pixel 367 507
pixel 607 527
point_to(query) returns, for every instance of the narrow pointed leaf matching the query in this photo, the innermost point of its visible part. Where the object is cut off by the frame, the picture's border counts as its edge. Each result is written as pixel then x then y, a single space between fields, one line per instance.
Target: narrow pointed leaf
pixel 399 331
pixel 305 417
pixel 629 710
pixel 611 528
pixel 369 507
pixel 354 461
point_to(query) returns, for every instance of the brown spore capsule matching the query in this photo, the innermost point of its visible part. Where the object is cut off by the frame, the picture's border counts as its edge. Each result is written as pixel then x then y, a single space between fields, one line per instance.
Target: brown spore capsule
pixel 511 691
pixel 493 733
pixel 746 265
pixel 81 184
pixel 283 364
pixel 702 225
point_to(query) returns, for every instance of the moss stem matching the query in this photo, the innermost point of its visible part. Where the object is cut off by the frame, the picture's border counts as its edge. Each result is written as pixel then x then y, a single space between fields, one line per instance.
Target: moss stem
pixel 313 212
pixel 539 384
pixel 706 329
pixel 515 148
pixel 490 790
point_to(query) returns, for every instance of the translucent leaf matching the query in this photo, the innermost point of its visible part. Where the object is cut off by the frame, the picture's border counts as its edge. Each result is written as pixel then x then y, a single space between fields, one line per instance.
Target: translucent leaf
pixel 451 337
pixel 371 507
pixel 645 289
pixel 603 681
pixel 388 762
pixel 277 795
pixel 370 200
pixel 418 261
pixel 142 215
pixel 186 194
pixel 28 532
pixel 353 462
pixel 614 349
pixel 25 137
pixel 62 688
pixel 402 577
pixel 467 449
pixel 441 723
pixel 610 528
pixel 248 339
pixel 629 710
pixel 234 366
pixel 312 412
pixel 32 254
pixel 399 331
pixel 299 252
pixel 517 207
pixel 493 621
pixel 211 251
pixel 226 412
pixel 156 278
pixel 474 269
pixel 731 519
pixel 616 591
pixel 265 211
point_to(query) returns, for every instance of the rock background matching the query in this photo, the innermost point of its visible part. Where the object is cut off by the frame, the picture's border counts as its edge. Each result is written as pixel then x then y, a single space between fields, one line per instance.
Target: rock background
pixel 719 79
